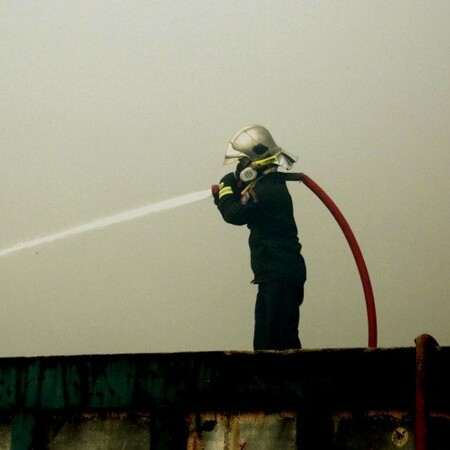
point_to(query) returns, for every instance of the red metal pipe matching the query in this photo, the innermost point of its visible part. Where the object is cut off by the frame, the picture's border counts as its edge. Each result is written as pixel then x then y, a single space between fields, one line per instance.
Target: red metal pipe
pixel 359 259
pixel 424 343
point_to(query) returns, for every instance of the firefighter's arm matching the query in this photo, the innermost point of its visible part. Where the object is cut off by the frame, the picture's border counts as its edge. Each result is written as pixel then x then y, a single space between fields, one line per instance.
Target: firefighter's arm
pixel 229 202
pixel 227 185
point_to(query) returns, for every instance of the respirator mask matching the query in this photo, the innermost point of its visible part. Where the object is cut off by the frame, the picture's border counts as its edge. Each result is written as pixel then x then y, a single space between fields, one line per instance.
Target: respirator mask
pixel 248 170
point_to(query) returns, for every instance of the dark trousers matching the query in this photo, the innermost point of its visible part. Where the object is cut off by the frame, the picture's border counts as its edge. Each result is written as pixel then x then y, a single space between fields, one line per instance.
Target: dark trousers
pixel 277 315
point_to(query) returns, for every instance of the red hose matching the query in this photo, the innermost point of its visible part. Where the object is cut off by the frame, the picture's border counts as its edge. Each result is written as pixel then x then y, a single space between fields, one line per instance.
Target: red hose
pixel 359 259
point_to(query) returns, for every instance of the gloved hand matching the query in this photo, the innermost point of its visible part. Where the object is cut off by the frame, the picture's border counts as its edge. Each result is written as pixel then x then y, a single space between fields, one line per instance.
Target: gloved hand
pixel 215 193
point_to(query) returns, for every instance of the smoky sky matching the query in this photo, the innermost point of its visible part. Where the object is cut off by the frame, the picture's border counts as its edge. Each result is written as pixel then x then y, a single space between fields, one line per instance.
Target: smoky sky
pixel 110 106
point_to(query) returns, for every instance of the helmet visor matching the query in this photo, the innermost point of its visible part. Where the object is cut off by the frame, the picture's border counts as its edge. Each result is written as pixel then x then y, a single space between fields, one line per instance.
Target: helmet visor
pixel 232 155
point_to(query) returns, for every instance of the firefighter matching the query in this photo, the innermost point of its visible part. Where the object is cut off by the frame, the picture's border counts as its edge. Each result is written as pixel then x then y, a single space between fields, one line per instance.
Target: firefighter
pixel 256 195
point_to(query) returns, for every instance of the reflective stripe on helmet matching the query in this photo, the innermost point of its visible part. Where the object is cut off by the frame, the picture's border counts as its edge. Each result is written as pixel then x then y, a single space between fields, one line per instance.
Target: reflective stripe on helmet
pixel 264 162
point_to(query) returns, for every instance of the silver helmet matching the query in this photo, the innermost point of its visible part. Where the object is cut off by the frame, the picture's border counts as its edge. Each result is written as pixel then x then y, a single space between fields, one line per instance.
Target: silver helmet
pixel 253 143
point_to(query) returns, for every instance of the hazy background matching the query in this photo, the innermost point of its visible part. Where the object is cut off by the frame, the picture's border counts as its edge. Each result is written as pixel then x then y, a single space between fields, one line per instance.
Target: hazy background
pixel 111 105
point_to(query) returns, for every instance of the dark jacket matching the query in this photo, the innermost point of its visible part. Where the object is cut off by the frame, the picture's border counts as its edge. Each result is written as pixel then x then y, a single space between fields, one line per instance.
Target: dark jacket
pixel 268 213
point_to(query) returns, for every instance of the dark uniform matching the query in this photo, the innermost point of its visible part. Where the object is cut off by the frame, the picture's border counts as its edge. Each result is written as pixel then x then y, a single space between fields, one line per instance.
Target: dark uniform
pixel 278 266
